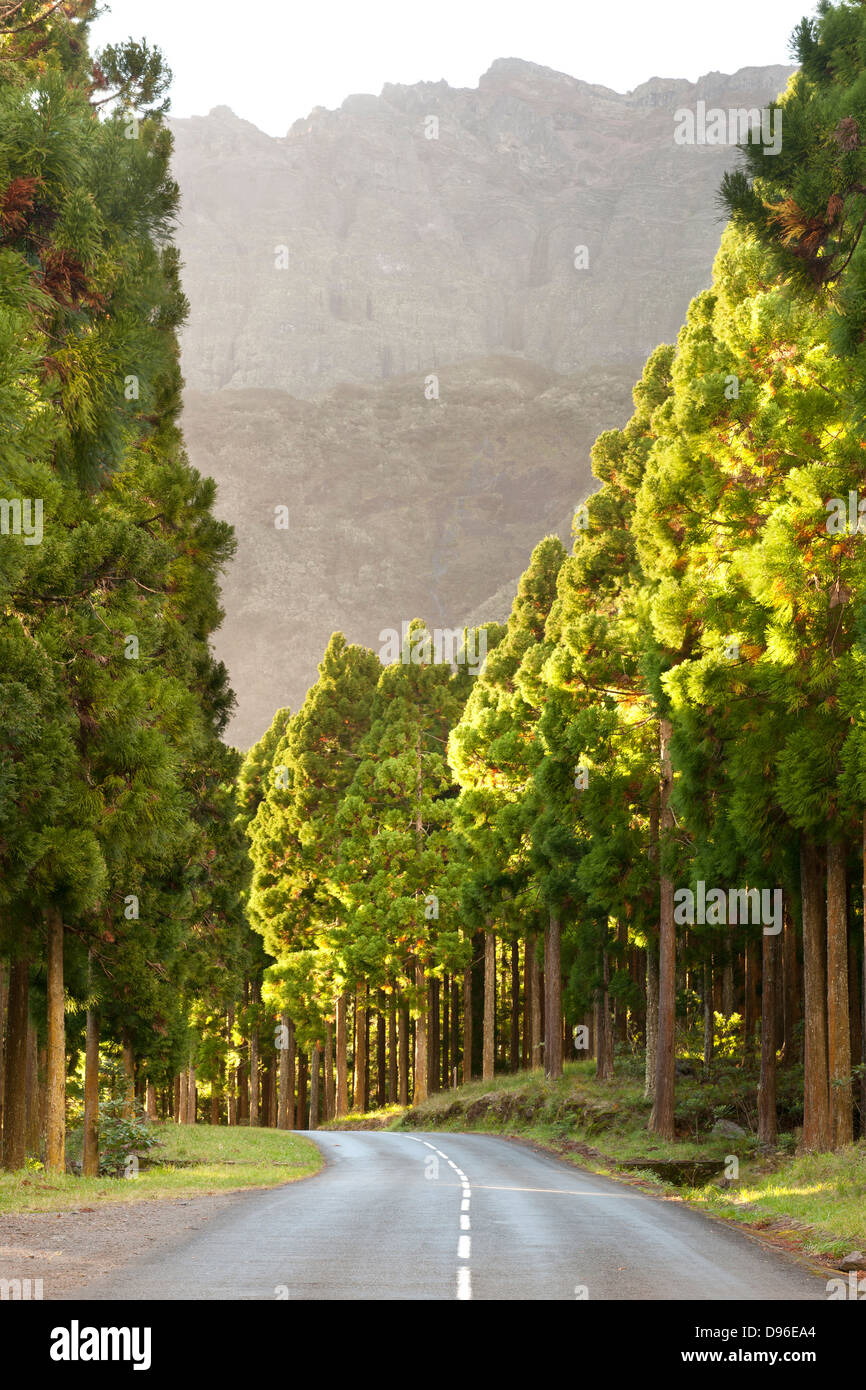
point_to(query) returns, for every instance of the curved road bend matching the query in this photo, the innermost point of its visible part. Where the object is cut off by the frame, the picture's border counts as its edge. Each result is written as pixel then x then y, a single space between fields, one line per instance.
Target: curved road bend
pixel 458 1216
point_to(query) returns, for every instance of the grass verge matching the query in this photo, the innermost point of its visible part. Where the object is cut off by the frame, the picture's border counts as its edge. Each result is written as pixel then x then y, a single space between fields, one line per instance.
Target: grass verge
pixel 221 1159
pixel 386 1118
pixel 818 1201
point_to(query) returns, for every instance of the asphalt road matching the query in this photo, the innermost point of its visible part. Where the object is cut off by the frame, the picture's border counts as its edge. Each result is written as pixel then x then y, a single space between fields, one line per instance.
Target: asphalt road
pixel 458 1216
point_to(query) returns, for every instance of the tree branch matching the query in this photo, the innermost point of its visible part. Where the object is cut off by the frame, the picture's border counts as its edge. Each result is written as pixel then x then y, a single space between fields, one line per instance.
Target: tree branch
pixel 31 23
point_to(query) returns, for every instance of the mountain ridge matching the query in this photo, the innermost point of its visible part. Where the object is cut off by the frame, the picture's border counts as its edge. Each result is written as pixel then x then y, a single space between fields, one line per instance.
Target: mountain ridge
pixel 368 305
pixel 500 66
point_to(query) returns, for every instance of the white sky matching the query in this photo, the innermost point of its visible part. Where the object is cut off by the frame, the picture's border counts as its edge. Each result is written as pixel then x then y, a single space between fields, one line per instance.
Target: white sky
pixel 293 56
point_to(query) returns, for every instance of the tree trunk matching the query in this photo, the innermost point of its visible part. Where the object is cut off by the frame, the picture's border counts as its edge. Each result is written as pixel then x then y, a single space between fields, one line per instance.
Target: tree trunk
pixel 863 1000
pixel 455 1030
pixel 34 1118
pixel 231 1070
pixel 717 986
pixel 182 1103
pixel 604 1032
pixel 420 1092
pixel 434 1036
pixel 265 1102
pixel 90 1156
pixel 477 998
pixel 444 1068
pixel 588 1021
pixel 751 1001
pixel 838 1011
pixel 4 999
pixel 129 1074
pixel 329 1071
pixel 709 1018
pixel 42 1056
pixel 652 1017
pixel 546 1015
pixel 515 1007
pixel 362 1098
pixel 526 1044
pixel 728 988
pixel 501 1025
pixel 243 1093
pixel 301 1114
pixel 779 991
pixel 403 1019
pixel 651 992
pixel 393 1064
pixel 816 1101
pixel 662 1118
pixel 553 1047
pixel 487 1062
pixel 620 1008
pixel 191 1097
pixel 381 1053
pixel 536 1031
pixel 791 996
pixel 467 1025
pixel 315 1072
pixel 854 1006
pixel 353 1036
pixel 254 1074
pixel 55 1081
pixel 767 1083
pixel 286 1112
pixel 342 1056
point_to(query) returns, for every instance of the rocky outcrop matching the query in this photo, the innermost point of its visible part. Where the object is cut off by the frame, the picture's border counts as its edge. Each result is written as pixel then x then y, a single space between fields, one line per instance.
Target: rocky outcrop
pixel 398 506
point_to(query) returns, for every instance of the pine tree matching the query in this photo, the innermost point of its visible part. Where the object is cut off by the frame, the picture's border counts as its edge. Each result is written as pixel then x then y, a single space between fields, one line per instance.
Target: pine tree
pixel 599 778
pixel 806 202
pixel 750 595
pixel 494 751
pixel 293 836
pixel 400 927
pixel 112 705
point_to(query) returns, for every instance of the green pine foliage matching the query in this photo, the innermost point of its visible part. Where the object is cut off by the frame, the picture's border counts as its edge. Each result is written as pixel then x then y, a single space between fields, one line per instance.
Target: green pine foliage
pixel 117 801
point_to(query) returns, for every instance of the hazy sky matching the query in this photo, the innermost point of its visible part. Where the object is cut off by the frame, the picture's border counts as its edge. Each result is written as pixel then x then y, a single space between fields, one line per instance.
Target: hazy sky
pixel 293 56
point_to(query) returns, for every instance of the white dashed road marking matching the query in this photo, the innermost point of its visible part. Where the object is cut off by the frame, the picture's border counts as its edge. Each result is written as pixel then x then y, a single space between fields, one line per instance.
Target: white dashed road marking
pixel 464 1241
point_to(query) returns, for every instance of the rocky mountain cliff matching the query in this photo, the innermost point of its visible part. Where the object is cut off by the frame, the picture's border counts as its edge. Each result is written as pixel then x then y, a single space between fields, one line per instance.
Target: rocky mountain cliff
pixel 331 272
pixel 398 507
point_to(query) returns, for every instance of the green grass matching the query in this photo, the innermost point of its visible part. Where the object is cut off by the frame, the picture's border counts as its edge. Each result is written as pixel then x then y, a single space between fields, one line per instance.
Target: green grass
pixel 826 1193
pixel 383 1118
pixel 226 1160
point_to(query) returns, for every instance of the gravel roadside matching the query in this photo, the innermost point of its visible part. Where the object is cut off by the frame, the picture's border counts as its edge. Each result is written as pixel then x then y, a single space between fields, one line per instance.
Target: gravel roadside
pixel 66 1250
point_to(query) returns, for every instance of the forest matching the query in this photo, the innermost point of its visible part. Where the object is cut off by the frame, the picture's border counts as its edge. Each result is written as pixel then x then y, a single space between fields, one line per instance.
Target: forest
pixel 638 828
